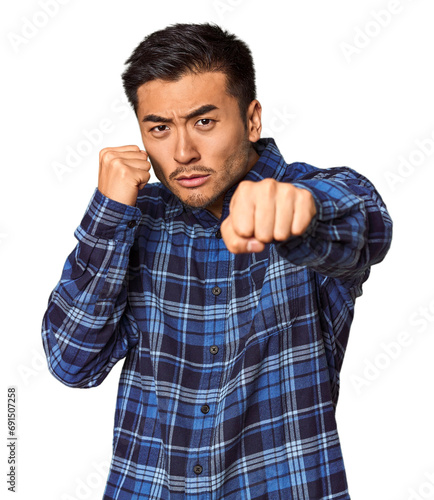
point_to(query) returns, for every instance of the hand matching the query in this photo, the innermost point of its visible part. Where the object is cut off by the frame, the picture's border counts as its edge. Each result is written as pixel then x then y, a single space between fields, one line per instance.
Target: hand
pixel 263 211
pixel 122 172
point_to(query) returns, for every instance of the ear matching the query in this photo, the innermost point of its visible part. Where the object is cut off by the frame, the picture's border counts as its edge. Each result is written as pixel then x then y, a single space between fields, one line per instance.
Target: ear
pixel 254 123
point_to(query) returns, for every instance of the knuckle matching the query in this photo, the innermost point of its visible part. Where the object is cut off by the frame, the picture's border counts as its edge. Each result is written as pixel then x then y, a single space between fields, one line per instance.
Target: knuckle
pixel 245 186
pixel 286 186
pixel 302 193
pixel 305 195
pixel 244 226
pixel 268 186
pixel 117 162
pixel 299 228
pixel 107 156
pixel 281 235
pixel 241 229
pixel 264 235
pixel 123 171
pixel 103 154
pixel 236 245
pixel 287 190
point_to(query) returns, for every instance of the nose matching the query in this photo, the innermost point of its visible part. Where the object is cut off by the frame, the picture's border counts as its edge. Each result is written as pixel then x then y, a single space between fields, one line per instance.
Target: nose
pixel 185 150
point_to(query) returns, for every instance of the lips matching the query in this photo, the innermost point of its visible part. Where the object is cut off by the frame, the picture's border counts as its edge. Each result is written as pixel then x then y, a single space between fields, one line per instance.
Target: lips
pixel 193 180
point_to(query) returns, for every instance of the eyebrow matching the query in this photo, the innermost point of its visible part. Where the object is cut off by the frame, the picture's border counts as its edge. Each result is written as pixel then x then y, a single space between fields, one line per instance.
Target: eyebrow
pixel 206 108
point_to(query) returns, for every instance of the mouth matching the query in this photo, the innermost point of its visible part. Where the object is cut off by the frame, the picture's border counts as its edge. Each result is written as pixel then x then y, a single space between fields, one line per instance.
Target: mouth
pixel 192 180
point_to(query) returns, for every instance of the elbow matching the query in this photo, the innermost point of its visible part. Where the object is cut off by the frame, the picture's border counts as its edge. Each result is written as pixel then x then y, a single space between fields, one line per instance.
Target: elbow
pixel 71 375
pixel 380 239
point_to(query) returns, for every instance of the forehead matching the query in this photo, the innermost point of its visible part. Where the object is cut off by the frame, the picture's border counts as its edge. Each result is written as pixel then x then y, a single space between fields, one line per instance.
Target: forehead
pixel 189 92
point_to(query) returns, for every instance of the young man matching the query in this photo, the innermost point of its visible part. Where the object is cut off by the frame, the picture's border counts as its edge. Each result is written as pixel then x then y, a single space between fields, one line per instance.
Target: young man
pixel 228 288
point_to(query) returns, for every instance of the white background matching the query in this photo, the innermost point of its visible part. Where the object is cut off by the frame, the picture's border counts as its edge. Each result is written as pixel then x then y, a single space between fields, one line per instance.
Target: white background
pixel 332 95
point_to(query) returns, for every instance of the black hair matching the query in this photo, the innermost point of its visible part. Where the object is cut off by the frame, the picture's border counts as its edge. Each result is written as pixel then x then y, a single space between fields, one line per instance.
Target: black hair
pixel 171 53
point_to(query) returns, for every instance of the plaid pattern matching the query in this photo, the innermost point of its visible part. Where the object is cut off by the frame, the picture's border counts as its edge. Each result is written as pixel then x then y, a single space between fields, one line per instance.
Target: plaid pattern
pixel 231 371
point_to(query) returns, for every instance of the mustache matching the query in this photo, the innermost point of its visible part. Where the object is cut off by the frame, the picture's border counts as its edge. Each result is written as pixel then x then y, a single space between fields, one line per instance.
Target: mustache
pixel 190 170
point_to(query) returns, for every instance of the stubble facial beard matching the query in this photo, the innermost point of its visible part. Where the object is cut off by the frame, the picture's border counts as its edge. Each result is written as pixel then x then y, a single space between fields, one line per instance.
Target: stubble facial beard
pixel 235 162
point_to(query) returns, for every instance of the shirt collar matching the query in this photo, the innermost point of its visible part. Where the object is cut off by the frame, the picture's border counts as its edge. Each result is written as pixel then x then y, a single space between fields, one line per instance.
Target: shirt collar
pixel 270 164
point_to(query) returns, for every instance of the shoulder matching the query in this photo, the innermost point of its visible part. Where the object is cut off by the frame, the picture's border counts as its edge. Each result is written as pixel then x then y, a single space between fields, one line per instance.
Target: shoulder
pixel 304 171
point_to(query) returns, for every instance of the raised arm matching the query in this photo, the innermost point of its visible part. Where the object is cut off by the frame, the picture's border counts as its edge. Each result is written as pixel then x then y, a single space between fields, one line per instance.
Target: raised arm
pixel 87 327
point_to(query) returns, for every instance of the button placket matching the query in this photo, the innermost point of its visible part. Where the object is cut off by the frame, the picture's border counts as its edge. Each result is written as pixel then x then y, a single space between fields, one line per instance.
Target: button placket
pixel 205 409
pixel 198 469
pixel 215 266
pixel 214 349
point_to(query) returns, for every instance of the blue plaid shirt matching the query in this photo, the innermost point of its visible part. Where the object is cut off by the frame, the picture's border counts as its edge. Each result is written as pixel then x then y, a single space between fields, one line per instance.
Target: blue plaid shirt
pixel 231 373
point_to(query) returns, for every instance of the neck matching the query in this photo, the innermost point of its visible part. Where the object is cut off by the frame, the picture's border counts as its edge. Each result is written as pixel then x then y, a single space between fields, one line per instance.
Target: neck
pixel 217 208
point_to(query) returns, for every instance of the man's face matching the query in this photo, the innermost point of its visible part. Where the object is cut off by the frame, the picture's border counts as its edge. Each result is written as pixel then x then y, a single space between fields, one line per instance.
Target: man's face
pixel 196 140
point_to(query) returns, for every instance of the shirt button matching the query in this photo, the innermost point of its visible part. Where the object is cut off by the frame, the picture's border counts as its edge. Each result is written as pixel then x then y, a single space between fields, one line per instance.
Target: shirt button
pixel 205 409
pixel 197 469
pixel 216 290
pixel 213 349
pixel 218 234
pixel 132 224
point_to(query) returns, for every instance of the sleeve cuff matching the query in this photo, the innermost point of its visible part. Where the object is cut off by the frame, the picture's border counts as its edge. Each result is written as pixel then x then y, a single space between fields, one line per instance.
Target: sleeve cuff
pixel 109 219
pixel 332 199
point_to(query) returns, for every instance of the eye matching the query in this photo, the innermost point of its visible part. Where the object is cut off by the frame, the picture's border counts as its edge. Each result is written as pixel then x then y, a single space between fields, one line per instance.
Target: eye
pixel 205 122
pixel 160 128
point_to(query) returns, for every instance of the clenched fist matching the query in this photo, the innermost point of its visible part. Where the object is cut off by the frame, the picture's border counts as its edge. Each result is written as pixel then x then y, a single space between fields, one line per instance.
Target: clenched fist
pixel 263 211
pixel 122 172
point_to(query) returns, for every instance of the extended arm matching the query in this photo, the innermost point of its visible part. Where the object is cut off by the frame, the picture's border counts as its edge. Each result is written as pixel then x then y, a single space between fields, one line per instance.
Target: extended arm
pixel 330 220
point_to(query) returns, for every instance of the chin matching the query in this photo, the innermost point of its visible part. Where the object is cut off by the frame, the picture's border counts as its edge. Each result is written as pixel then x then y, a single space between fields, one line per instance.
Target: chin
pixel 197 201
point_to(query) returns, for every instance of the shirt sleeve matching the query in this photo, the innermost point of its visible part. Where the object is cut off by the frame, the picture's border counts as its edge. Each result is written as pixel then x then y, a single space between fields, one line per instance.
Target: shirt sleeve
pixel 87 327
pixel 351 230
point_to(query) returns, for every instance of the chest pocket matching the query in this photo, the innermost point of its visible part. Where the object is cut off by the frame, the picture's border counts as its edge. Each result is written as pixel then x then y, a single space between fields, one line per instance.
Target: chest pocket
pixel 249 272
pixel 266 293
